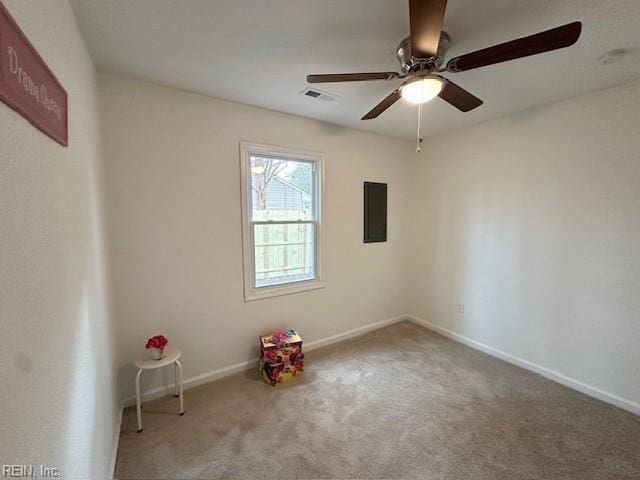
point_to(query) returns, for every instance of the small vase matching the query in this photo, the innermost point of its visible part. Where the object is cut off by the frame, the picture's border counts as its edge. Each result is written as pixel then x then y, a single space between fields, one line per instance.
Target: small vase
pixel 157 353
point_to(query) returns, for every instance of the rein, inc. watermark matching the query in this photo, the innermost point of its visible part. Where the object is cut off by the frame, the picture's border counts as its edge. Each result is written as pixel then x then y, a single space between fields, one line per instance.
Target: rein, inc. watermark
pixel 29 471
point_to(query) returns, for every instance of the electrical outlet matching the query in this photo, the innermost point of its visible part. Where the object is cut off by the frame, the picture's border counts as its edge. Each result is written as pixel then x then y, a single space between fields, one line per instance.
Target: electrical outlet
pixel 461 308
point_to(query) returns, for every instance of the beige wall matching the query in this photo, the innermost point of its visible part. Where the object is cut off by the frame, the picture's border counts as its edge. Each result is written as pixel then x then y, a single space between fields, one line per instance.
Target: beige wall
pixel 533 222
pixel 173 177
pixel 530 221
pixel 57 397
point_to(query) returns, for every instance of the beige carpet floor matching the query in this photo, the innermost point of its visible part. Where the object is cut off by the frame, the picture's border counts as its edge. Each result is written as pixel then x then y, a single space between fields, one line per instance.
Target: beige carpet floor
pixel 401 402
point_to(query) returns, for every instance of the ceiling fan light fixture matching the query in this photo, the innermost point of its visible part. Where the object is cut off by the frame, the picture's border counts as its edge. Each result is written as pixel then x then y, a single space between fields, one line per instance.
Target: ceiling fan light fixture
pixel 422 89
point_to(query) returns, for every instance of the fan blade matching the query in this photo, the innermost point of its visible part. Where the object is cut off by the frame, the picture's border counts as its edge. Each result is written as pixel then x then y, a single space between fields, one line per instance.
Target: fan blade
pixel 546 41
pixel 459 97
pixel 425 17
pixel 392 98
pixel 351 77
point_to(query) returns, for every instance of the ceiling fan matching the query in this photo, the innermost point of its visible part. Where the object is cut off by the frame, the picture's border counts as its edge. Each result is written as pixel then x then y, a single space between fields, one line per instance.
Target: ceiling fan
pixel 421 56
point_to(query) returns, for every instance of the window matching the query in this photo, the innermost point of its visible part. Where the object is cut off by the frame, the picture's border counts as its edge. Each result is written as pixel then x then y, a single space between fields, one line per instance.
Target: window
pixel 282 227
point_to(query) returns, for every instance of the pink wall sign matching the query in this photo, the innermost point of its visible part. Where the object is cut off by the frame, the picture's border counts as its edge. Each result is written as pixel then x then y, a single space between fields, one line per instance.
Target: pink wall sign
pixel 26 83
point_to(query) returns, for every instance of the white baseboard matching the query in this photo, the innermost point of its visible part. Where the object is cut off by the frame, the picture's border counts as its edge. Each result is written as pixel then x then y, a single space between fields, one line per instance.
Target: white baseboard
pixel 116 441
pixel 253 363
pixel 594 392
pixel 192 381
pixel 356 332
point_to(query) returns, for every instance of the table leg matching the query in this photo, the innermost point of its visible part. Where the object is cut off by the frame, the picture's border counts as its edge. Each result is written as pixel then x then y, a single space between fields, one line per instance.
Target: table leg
pixel 138 406
pixel 175 379
pixel 180 387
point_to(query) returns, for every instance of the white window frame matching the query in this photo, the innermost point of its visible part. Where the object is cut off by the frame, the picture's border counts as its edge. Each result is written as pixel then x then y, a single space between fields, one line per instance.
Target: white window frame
pixel 247 149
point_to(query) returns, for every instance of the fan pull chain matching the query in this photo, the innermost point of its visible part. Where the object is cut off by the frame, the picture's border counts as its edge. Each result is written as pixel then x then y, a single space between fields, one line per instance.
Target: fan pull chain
pixel 419 141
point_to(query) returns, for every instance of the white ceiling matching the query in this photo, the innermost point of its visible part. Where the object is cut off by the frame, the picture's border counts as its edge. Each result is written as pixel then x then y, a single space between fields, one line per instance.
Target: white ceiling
pixel 260 51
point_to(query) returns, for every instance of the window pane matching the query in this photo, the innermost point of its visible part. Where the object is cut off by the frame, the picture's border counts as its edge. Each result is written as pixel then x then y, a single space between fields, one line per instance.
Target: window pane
pixel 284 253
pixel 281 189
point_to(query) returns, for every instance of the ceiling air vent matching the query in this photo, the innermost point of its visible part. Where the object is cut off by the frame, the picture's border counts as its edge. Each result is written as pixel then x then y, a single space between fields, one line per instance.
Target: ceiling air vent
pixel 318 94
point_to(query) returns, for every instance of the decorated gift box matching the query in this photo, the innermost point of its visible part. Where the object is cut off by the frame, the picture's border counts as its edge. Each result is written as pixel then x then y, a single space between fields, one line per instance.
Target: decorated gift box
pixel 281 356
pixel 275 373
pixel 277 340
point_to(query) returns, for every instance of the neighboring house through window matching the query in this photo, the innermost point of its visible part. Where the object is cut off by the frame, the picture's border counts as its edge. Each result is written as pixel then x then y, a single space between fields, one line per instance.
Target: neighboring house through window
pixel 282 228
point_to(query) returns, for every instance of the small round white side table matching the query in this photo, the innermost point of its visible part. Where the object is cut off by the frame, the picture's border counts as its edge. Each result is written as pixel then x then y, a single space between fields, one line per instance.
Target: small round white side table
pixel 171 356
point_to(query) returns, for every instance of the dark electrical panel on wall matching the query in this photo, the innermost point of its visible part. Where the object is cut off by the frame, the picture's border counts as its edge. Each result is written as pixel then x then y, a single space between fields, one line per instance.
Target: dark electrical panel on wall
pixel 375 212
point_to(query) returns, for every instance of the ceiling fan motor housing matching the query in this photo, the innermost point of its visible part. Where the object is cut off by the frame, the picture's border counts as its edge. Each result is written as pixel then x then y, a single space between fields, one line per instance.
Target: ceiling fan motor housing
pixel 411 65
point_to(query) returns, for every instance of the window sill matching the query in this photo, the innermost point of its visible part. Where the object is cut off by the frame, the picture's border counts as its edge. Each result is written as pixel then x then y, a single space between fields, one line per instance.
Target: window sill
pixel 277 290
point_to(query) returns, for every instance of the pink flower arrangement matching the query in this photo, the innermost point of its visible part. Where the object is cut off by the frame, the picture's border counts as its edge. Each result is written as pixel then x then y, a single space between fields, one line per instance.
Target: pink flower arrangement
pixel 159 342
